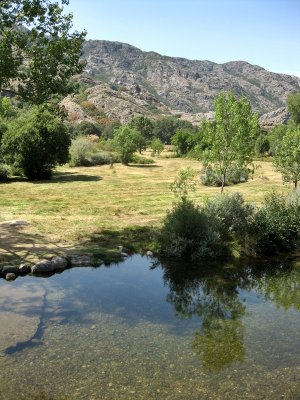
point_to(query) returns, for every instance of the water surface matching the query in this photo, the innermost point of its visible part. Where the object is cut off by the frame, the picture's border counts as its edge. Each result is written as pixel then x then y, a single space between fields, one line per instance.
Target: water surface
pixel 142 330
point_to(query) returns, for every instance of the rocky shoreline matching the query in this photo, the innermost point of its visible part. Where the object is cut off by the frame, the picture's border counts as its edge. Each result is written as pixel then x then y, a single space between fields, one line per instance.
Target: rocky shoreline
pixel 48 267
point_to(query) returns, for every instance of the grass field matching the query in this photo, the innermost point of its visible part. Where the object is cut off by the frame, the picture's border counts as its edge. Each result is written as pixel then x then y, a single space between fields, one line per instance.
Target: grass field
pixel 96 207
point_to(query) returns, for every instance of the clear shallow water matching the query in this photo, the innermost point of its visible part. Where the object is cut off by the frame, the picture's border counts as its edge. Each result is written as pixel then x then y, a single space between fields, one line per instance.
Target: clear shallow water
pixel 140 331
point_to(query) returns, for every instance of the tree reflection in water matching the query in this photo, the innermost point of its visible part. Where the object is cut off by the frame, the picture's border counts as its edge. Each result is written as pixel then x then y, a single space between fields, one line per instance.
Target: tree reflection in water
pixel 212 292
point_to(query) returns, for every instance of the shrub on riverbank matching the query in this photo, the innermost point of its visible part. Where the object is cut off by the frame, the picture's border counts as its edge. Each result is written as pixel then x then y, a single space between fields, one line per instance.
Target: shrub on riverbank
pixel 225 221
pixel 276 226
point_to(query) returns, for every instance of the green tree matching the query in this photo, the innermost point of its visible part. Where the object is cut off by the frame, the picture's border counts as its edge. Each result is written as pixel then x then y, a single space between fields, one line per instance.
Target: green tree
pixel 183 141
pixel 144 125
pixel 126 142
pixel 36 142
pixel 38 54
pixel 166 127
pixel 275 137
pixel 287 156
pixel 87 128
pixel 231 136
pixel 293 103
pixel 156 146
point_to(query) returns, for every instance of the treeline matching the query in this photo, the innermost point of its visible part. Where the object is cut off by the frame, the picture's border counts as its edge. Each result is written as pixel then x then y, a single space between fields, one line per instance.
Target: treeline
pixel 34 139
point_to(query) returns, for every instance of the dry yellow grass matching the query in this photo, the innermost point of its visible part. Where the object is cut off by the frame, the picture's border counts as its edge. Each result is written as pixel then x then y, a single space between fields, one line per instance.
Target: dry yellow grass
pixel 80 203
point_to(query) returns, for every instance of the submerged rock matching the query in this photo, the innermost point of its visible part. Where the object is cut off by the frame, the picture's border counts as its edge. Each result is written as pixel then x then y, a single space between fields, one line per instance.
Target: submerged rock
pixel 10 276
pixel 84 260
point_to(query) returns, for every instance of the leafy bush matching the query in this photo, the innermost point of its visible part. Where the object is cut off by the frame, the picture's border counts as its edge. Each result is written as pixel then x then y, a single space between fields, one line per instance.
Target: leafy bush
pixel 188 232
pixel 4 173
pixel 87 128
pixel 262 145
pixel 236 174
pixel 126 142
pixel 36 142
pixel 156 146
pixel 84 153
pixel 79 152
pixel 231 215
pixel 136 159
pixel 276 225
pixel 101 158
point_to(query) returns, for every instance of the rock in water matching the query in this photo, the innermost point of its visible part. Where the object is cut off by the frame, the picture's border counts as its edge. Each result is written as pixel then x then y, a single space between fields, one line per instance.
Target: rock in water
pixel 10 276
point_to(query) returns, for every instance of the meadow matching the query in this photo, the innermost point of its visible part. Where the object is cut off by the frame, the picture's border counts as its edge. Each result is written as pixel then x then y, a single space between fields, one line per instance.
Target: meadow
pixel 97 209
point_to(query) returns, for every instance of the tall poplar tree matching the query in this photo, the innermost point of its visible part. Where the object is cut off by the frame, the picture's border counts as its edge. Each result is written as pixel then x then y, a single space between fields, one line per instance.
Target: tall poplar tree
pixel 231 136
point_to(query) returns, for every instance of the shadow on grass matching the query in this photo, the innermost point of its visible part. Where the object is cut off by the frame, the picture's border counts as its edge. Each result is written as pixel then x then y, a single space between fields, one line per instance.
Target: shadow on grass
pixel 17 245
pixel 58 177
pixel 66 177
pixel 135 239
pixel 144 166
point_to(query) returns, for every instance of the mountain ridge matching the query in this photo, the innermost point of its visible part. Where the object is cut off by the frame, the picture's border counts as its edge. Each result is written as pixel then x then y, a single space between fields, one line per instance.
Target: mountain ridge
pixel 177 85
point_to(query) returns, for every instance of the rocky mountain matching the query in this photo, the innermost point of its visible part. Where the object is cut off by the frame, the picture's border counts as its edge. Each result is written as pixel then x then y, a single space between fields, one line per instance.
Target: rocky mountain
pixel 124 81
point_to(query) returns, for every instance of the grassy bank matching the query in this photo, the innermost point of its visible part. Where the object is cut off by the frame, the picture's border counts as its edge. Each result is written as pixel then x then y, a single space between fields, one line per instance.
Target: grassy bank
pixel 94 209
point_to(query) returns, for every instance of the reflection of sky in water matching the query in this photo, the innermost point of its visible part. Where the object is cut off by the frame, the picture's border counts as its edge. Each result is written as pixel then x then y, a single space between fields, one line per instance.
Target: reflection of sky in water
pixel 153 326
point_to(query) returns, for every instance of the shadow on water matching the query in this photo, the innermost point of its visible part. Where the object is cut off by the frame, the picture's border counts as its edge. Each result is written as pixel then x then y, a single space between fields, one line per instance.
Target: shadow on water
pixel 35 340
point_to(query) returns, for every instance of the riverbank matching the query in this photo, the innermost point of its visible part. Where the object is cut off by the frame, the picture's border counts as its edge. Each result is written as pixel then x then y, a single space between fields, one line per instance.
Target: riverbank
pixel 96 210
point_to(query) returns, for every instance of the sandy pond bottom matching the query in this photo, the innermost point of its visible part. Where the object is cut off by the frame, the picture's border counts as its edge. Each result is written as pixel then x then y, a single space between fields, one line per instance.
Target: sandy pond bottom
pixel 141 331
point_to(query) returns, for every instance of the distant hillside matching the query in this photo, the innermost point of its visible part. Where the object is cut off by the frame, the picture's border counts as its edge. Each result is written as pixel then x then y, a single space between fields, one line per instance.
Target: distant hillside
pixel 123 81
pixel 186 85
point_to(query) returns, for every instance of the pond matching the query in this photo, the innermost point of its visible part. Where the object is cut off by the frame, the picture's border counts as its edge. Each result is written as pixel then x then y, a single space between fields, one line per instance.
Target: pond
pixel 145 330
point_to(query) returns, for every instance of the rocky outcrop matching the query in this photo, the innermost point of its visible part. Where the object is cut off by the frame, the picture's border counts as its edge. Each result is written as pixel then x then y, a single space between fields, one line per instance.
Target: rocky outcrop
pixel 189 86
pixel 273 118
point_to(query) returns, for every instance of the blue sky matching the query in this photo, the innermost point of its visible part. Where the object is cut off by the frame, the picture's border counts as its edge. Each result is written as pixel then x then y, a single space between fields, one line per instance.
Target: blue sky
pixel 262 32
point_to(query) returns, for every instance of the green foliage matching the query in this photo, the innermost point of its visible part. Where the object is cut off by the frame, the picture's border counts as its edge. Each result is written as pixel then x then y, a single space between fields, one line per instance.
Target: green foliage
pixel 6 108
pixel 84 153
pixel 276 225
pixel 36 142
pixel 293 103
pixel 230 215
pixel 184 183
pixel 187 232
pixel 109 129
pixel 37 51
pixel 87 128
pixel 137 159
pixel 287 156
pixel 207 231
pixel 230 137
pixel 183 140
pixel 262 145
pixel 80 150
pixel 156 146
pixel 275 137
pixel 166 127
pixel 235 174
pixel 144 125
pixel 4 173
pixel 126 142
